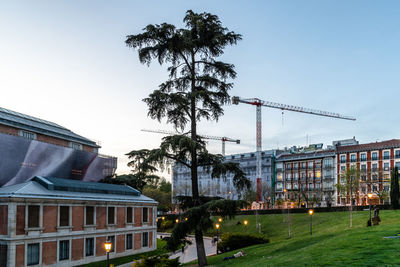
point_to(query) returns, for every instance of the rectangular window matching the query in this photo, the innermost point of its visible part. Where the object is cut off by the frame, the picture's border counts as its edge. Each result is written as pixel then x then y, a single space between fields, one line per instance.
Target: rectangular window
pixel 33 216
pixel 397 154
pixel 374 167
pixel 63 253
pixel 310 164
pixel 89 215
pixel 33 254
pixel 342 158
pixel 353 158
pixel 129 215
pixel 111 215
pixel 129 241
pixel 363 167
pixel 363 157
pixel 112 240
pixel 145 239
pixel 64 215
pixel 386 155
pixel 145 215
pixel 89 247
pixel 386 166
pixel 374 155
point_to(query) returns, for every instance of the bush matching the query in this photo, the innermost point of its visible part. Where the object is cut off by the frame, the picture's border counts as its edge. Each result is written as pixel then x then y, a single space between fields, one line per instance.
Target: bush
pixel 159 261
pixel 232 241
pixel 165 224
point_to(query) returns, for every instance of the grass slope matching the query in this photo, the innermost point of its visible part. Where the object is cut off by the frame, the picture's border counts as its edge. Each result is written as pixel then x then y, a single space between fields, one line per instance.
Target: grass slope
pixel 332 243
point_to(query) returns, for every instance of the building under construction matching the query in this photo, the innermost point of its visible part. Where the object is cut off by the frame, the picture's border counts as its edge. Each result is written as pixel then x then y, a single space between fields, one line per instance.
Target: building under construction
pixel 31 147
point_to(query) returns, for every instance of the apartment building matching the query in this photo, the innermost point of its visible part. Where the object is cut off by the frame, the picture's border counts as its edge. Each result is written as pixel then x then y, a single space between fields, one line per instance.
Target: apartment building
pixel 375 162
pixel 223 187
pixel 63 222
pixel 32 146
pixel 306 177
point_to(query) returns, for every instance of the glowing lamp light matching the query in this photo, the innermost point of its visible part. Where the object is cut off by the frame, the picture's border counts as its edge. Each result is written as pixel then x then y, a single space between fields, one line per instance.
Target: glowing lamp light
pixel 217 226
pixel 220 219
pixel 245 222
pixel 369 195
pixel 186 219
pixel 163 218
pixel 311 212
pixel 107 246
pixel 177 220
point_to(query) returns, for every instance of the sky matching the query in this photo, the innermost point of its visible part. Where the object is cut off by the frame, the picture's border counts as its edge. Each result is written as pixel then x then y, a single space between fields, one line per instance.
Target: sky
pixel 67 62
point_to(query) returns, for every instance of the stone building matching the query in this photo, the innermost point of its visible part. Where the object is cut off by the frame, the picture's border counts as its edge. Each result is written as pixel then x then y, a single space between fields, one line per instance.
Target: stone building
pixel 63 222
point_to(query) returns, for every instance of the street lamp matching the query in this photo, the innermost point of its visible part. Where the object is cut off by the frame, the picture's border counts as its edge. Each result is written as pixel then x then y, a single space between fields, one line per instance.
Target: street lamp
pixel 220 220
pixel 311 212
pixel 217 227
pixel 177 220
pixel 369 200
pixel 108 246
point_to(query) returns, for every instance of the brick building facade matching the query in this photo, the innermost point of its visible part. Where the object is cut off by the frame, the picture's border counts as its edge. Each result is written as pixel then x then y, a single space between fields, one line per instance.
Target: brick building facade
pixel 60 222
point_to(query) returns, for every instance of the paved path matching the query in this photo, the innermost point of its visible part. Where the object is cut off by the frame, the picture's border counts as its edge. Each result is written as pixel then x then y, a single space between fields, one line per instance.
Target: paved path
pixel 190 253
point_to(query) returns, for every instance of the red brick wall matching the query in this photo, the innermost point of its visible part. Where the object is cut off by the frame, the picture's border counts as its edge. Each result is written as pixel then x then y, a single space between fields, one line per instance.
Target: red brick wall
pixel 120 243
pixel 8 130
pixel 50 217
pixel 150 216
pixel 20 255
pixel 138 217
pixel 100 251
pixel 3 220
pixel 101 217
pixel 20 220
pixel 49 252
pixel 43 138
pixel 77 249
pixel 121 217
pixel 77 218
pixel 137 241
pixel 150 239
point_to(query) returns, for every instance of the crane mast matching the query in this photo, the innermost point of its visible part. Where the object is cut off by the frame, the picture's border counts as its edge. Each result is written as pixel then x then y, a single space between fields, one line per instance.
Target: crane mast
pixel 210 137
pixel 259 103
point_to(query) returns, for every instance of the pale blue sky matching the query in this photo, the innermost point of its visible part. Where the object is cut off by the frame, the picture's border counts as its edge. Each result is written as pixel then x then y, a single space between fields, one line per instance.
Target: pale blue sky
pixel 66 61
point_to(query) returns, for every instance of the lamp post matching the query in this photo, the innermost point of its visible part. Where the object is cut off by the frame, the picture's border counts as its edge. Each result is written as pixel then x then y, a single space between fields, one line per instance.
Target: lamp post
pixel 220 220
pixel 369 200
pixel 217 227
pixel 311 212
pixel 288 214
pixel 108 246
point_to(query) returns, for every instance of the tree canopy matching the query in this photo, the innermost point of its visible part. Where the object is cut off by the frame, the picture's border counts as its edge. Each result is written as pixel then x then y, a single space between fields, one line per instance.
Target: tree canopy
pixel 196 89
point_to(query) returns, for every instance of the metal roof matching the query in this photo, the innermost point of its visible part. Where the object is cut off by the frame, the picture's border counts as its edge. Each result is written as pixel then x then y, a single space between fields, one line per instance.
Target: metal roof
pixel 67 189
pixel 29 123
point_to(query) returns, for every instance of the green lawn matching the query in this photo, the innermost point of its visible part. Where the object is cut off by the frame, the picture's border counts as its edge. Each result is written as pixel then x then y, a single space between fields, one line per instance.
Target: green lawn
pixel 121 260
pixel 332 242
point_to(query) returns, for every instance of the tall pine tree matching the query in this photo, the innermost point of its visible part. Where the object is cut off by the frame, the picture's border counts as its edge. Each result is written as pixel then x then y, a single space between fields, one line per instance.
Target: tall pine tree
pixel 197 89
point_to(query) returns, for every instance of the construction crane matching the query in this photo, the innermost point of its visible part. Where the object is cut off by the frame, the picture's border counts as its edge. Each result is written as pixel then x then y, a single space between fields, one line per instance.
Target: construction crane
pixel 210 137
pixel 261 103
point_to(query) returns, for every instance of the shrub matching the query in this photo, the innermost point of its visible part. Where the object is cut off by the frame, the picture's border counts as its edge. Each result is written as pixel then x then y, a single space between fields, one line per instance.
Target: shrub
pixel 232 241
pixel 158 261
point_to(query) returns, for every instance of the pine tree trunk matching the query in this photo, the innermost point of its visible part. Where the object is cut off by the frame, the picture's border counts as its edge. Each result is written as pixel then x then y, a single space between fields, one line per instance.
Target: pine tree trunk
pixel 201 253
